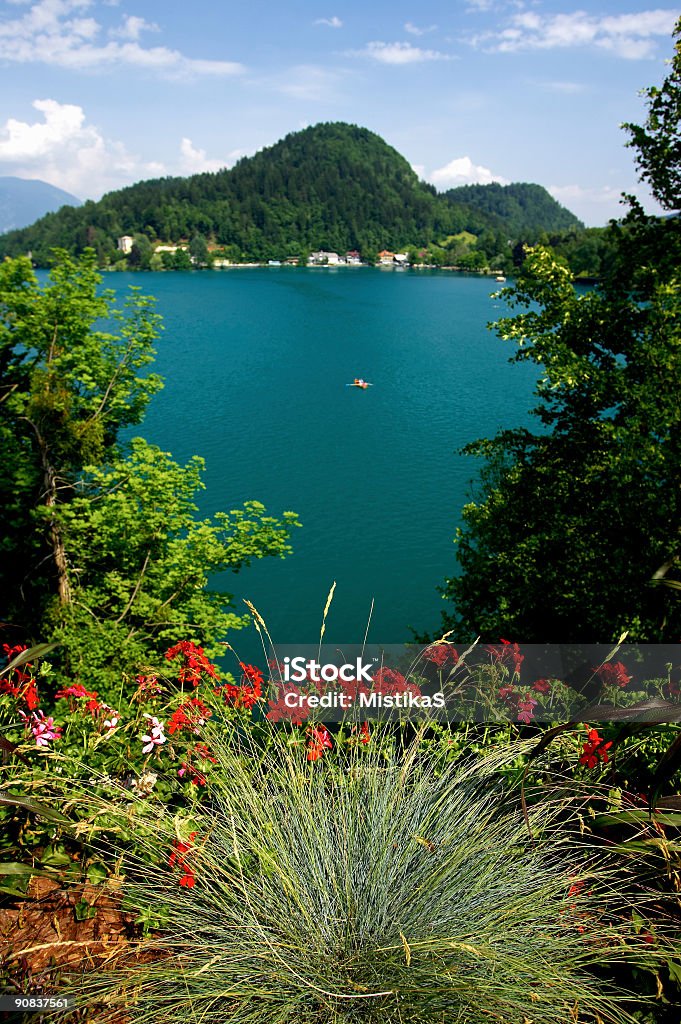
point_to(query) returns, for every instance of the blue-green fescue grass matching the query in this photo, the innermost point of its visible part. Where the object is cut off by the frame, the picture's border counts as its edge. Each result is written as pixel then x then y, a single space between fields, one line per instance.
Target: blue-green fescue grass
pixel 369 887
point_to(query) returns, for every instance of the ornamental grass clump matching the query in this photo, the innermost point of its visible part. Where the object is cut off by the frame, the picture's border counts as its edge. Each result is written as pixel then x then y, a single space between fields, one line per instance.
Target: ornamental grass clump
pixel 374 886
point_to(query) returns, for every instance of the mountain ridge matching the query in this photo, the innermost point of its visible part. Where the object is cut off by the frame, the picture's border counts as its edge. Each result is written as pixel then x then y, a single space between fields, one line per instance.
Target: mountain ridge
pixel 331 186
pixel 24 200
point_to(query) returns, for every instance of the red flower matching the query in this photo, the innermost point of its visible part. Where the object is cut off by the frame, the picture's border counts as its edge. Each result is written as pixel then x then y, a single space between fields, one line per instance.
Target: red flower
pixel 18 683
pixel 595 749
pixel 196 777
pixel 613 675
pixel 279 711
pixel 364 733
pixel 80 693
pixel 353 689
pixel 196 664
pixel 508 654
pixel 440 654
pixel 177 856
pixel 541 686
pixel 248 692
pixel 318 741
pixel 388 681
pixel 189 715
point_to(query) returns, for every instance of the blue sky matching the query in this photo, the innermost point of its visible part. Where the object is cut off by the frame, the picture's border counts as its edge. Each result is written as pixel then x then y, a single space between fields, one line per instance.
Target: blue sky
pixel 96 94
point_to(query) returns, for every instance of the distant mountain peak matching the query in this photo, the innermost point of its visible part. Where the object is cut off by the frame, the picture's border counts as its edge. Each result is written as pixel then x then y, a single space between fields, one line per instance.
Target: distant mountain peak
pixel 24 200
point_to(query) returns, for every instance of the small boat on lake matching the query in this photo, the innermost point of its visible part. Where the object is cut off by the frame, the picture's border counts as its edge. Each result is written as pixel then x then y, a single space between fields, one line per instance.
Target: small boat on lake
pixel 359 383
pixel 501 278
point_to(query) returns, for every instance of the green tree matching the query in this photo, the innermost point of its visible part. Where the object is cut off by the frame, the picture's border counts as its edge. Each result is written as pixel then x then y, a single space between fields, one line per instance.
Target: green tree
pixel 575 520
pixel 658 142
pixel 99 547
pixel 142 560
pixel 198 250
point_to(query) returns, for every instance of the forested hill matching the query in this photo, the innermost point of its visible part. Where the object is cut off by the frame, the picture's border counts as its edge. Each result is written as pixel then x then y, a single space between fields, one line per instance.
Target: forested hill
pixel 331 186
pixel 521 207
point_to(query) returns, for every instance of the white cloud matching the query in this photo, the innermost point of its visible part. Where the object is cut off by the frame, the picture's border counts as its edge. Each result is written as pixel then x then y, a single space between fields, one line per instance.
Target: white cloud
pixel 195 161
pixel 133 27
pixel 330 22
pixel 630 36
pixel 414 30
pixel 66 151
pixel 462 171
pixel 49 33
pixel 398 53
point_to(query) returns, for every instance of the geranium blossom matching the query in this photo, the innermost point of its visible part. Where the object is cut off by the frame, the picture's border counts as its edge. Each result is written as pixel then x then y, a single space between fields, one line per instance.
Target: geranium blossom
pixel 78 692
pixel 279 711
pixel 196 664
pixel 18 683
pixel 177 856
pixel 440 654
pixel 195 776
pixel 318 741
pixel 541 686
pixel 594 750
pixel 114 717
pixel 190 715
pixel 148 687
pixel 155 737
pixel 388 681
pixel 43 728
pixel 613 674
pixel 248 692
pixel 508 654
pixel 526 709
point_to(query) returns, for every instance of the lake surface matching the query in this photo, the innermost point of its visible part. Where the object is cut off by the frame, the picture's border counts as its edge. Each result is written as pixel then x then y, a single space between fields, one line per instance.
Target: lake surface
pixel 256 363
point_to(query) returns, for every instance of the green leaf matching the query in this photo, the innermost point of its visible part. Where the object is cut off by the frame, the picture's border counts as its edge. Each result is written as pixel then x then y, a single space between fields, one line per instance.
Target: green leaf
pixel 35 807
pixel 31 654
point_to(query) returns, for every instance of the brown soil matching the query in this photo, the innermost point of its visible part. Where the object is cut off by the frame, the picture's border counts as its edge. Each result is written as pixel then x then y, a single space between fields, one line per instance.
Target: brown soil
pixel 42 942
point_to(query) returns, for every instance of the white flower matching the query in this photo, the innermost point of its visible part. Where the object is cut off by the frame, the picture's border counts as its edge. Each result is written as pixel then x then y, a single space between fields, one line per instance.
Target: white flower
pixel 110 723
pixel 155 737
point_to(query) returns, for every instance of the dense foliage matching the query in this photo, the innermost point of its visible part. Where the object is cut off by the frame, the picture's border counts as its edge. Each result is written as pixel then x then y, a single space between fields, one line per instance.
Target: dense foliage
pixel 301 873
pixel 100 548
pixel 575 532
pixel 332 186
pixel 520 207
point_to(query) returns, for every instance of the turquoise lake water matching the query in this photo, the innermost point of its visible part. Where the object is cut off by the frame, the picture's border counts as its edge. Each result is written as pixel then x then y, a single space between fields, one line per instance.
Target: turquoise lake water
pixel 256 363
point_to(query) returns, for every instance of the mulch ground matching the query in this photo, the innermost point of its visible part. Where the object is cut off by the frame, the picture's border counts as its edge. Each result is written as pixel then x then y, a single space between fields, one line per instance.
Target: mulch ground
pixel 43 944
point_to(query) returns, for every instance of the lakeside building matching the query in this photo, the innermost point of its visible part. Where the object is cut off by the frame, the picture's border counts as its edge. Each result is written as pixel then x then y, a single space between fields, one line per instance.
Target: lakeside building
pixel 324 258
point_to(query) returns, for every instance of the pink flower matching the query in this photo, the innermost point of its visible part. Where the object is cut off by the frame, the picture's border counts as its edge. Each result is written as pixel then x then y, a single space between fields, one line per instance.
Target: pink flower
pixel 44 729
pixel 155 737
pixel 526 709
